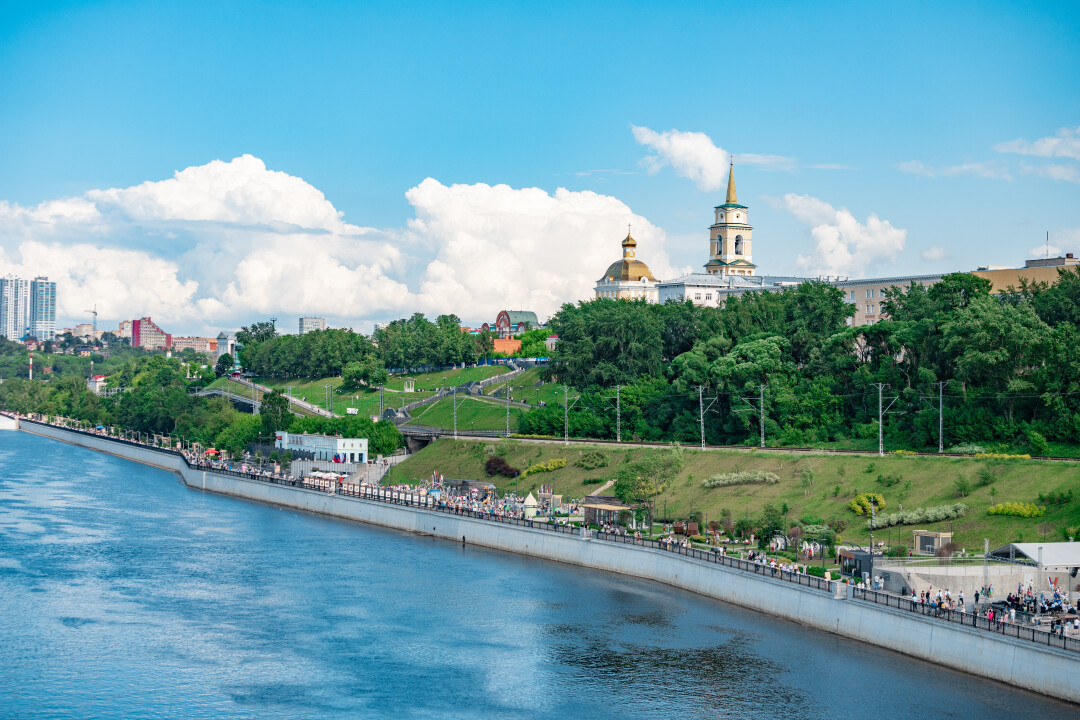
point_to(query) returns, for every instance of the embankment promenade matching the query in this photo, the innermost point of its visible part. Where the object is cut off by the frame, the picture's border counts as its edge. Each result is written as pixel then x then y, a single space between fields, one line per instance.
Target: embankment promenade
pixel 1023 657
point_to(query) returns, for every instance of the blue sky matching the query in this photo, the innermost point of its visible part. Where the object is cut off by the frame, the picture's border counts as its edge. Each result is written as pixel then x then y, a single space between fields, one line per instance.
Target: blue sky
pixel 909 108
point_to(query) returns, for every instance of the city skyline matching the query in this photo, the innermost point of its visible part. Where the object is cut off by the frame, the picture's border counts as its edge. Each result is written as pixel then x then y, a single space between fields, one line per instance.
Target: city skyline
pixel 361 164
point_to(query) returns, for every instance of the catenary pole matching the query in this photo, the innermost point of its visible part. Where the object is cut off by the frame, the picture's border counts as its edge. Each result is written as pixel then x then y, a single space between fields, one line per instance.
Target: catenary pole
pixel 508 408
pixel 761 412
pixel 565 416
pixel 618 416
pixel 941 416
pixel 701 413
pixel 455 413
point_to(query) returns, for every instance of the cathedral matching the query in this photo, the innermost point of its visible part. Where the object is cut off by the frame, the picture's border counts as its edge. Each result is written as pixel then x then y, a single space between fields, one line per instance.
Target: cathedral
pixel 629 278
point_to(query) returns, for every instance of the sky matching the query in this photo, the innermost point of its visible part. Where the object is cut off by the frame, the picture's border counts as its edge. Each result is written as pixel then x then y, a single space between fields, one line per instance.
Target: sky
pixel 216 164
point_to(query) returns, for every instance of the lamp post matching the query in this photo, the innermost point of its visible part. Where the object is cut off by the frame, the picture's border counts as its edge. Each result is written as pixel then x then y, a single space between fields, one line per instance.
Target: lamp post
pixel 872 518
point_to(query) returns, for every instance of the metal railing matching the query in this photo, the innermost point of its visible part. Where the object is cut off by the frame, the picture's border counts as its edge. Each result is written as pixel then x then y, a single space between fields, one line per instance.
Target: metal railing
pixel 1000 626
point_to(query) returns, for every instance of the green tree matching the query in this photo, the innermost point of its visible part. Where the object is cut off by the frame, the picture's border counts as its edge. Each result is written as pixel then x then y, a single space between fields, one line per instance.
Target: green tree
pixel 640 482
pixel 224 364
pixel 274 412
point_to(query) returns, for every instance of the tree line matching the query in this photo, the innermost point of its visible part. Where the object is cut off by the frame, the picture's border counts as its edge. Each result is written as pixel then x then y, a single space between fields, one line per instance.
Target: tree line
pixel 159 400
pixel 1005 367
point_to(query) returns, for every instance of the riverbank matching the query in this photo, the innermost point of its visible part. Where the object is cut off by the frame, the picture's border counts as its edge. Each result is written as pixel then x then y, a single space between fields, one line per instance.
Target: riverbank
pixel 1017 662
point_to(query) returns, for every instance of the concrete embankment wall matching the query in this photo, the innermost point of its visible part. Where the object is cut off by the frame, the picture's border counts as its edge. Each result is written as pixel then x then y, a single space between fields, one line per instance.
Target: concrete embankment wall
pixel 1021 663
pixel 8 423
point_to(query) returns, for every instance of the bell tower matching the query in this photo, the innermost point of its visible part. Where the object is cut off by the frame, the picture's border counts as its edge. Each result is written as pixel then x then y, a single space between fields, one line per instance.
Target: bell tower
pixel 730 235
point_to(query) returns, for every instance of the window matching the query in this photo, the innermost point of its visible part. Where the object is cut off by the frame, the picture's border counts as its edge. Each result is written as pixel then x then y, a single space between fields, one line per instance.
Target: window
pixel 851 294
pixel 870 293
pixel 869 309
pixel 708 296
pixel 738 245
pixel 697 296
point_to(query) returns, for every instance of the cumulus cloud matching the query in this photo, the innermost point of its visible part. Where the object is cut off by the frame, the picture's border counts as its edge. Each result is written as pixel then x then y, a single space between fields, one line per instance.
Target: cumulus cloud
pixel 933 253
pixel 842 244
pixel 987 170
pixel 526 247
pixel 1065 144
pixel 225 243
pixel 693 155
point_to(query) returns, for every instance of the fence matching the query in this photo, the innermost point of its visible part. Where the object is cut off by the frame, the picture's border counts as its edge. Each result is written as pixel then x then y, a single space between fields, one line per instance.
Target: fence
pixel 399 497
pixel 999 626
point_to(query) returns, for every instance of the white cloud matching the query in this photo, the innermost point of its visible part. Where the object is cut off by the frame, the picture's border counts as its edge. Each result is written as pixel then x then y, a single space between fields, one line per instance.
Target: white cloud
pixel 842 244
pixel 226 243
pixel 933 253
pixel 987 170
pixel 1045 251
pixel 1065 144
pixel 500 246
pixel 693 155
pixel 1068 173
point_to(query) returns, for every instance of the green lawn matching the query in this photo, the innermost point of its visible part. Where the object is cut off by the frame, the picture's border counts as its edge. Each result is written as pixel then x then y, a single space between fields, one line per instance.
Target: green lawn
pixel 923 482
pixel 523 388
pixel 472 414
pixel 366 401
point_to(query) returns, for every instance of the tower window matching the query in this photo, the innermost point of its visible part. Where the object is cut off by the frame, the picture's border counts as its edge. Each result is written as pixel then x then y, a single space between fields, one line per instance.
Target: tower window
pixel 738 245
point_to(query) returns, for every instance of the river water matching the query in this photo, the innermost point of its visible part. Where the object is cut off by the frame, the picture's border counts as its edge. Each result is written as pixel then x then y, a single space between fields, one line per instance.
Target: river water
pixel 124 594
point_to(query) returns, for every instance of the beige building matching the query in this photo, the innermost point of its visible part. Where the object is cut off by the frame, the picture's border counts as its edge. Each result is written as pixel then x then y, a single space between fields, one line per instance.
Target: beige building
pixel 629 278
pixel 198 344
pixel 868 295
pixel 1043 270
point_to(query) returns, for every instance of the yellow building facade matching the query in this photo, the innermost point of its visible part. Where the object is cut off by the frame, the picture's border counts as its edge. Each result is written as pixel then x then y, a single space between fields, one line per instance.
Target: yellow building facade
pixel 730 236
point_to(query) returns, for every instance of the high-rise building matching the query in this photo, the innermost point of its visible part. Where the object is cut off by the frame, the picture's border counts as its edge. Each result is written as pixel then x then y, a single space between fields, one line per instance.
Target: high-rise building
pixel 310 324
pixel 146 334
pixel 42 309
pixel 14 307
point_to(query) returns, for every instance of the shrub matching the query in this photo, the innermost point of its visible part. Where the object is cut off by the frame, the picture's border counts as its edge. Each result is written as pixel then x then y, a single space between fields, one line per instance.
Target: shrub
pixel 987 476
pixel 966 449
pixel 593 481
pixel 947 550
pixel 1001 456
pixel 889 480
pixel 593 460
pixel 897 551
pixel 902 452
pixel 548 466
pixel 918 516
pixel 742 477
pixel 1038 443
pixel 1027 510
pixel 816 571
pixel 1057 498
pixel 963 487
pixel 811 520
pixel 496 465
pixel 699 539
pixel 860 504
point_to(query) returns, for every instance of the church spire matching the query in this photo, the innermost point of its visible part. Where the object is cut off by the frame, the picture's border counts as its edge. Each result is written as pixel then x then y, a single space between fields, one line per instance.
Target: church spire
pixel 731 184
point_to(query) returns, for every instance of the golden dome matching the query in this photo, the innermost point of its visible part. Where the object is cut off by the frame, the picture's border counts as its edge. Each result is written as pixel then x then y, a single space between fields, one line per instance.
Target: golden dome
pixel 628 270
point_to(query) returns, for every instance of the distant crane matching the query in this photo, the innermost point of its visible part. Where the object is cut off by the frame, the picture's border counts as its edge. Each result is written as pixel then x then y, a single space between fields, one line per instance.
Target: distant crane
pixel 273 323
pixel 94 313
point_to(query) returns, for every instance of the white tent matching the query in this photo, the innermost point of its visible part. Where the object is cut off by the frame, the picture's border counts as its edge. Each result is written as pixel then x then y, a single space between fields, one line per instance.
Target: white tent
pixel 1056 556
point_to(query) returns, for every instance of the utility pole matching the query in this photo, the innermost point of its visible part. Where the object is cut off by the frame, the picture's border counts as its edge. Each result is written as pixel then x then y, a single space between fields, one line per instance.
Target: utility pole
pixel 508 408
pixel 701 412
pixel 618 416
pixel 873 517
pixel 881 416
pixel 941 416
pixel 565 416
pixel 761 413
pixel 382 391
pixel 566 405
pixel 455 412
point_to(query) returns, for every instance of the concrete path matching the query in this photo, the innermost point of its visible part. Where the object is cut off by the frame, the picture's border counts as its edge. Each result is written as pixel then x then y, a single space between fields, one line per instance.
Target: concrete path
pixel 602 488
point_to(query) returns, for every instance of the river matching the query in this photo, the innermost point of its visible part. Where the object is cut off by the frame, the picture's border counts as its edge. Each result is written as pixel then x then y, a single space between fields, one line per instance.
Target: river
pixel 123 594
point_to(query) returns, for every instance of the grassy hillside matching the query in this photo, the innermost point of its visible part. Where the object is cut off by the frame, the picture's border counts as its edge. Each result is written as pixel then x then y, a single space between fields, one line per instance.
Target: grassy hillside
pixel 367 401
pixel 833 481
pixel 472 414
pixel 524 388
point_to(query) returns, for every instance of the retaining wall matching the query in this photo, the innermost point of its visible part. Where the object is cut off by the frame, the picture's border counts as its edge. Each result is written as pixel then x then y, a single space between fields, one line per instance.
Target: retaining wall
pixel 1018 662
